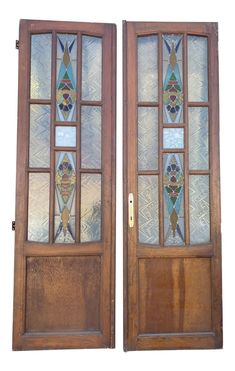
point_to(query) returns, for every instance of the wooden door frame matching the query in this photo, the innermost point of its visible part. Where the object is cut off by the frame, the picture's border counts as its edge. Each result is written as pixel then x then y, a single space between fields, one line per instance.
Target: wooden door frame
pixel 132 254
pixel 106 338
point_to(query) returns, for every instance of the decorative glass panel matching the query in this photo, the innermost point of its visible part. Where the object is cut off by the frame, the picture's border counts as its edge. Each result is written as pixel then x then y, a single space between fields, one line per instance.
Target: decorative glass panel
pixel 91 67
pixel 198 138
pixel 65 136
pixel 147 138
pixel 173 138
pixel 39 147
pixel 91 137
pixel 65 192
pixel 66 77
pixel 173 199
pixel 172 79
pixel 199 210
pixel 148 209
pixel 147 68
pixel 197 69
pixel 90 207
pixel 40 79
pixel 38 207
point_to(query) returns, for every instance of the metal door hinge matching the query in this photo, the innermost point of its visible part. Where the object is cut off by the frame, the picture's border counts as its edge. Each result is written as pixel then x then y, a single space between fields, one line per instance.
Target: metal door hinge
pixel 131 210
pixel 13 225
pixel 17 44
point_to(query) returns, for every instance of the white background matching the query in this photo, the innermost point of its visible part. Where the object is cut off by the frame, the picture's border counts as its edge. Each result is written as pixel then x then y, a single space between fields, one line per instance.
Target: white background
pixel 115 12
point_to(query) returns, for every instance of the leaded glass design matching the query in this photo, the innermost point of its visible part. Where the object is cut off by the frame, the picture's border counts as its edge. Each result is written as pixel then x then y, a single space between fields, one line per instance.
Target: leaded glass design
pixel 91 137
pixel 147 138
pixel 198 138
pixel 199 209
pixel 65 136
pixel 173 182
pixel 39 146
pixel 197 69
pixel 147 47
pixel 172 79
pixel 66 77
pixel 173 138
pixel 148 209
pixel 40 76
pixel 65 191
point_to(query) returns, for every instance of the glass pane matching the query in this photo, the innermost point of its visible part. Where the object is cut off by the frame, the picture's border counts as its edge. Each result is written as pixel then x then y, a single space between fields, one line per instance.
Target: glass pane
pixel 65 136
pixel 173 138
pixel 172 79
pixel 91 137
pixel 197 69
pixel 66 76
pixel 90 207
pixel 38 207
pixel 65 192
pixel 148 209
pixel 40 79
pixel 199 210
pixel 147 47
pixel 198 138
pixel 173 199
pixel 39 147
pixel 91 68
pixel 147 138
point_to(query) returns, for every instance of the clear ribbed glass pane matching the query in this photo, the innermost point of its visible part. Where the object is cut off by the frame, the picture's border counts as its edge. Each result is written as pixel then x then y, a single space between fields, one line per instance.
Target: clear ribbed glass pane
pixel 40 78
pixel 39 146
pixel 173 138
pixel 199 209
pixel 38 207
pixel 197 69
pixel 91 137
pixel 65 136
pixel 90 223
pixel 198 138
pixel 148 209
pixel 147 47
pixel 147 138
pixel 91 68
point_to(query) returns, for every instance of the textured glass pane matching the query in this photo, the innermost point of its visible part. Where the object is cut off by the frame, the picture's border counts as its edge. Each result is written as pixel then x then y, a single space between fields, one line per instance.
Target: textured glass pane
pixel 90 207
pixel 66 76
pixel 65 192
pixel 173 138
pixel 197 69
pixel 147 69
pixel 148 209
pixel 38 207
pixel 147 138
pixel 65 136
pixel 91 137
pixel 198 138
pixel 173 199
pixel 172 79
pixel 91 68
pixel 40 79
pixel 39 147
pixel 199 210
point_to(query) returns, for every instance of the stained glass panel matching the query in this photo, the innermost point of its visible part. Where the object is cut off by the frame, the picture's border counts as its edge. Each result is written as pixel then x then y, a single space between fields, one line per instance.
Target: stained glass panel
pixel 197 69
pixel 147 47
pixel 148 209
pixel 173 182
pixel 91 137
pixel 65 193
pixel 40 76
pixel 65 136
pixel 199 209
pixel 91 67
pixel 172 79
pixel 39 146
pixel 173 138
pixel 90 207
pixel 66 87
pixel 147 138
pixel 198 138
pixel 38 207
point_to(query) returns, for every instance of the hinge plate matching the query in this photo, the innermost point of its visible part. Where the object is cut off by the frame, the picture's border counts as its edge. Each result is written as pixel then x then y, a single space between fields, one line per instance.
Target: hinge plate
pixel 17 44
pixel 13 225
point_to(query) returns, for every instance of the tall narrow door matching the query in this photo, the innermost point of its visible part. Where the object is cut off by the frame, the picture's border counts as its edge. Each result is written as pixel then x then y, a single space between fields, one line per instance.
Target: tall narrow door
pixel 172 241
pixel 65 220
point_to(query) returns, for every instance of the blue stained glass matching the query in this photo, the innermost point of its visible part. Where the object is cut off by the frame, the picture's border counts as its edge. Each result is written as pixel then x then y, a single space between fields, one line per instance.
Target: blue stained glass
pixel 173 138
pixel 65 136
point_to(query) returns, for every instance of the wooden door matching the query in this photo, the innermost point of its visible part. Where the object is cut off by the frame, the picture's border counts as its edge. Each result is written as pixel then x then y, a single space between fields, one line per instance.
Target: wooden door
pixel 65 191
pixel 172 240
